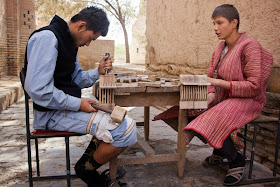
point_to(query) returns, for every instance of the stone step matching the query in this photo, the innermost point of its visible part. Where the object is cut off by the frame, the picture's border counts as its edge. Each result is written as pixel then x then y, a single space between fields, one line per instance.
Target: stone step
pixel 10 91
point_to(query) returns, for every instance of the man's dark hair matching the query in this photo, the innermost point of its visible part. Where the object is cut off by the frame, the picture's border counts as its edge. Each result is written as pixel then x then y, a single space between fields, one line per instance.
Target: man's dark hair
pixel 227 11
pixel 95 18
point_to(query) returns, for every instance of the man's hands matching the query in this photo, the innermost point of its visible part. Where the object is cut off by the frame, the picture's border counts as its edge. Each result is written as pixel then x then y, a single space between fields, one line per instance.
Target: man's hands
pixel 105 64
pixel 86 105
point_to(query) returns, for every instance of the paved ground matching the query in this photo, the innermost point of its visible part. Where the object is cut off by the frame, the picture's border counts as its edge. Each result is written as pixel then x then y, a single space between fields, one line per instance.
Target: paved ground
pixel 13 155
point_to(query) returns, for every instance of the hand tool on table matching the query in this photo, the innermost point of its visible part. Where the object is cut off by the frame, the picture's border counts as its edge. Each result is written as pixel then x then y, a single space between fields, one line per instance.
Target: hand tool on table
pixel 108 55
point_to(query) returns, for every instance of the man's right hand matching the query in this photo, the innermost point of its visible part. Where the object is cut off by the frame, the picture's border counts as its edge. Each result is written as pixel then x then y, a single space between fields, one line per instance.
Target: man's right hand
pixel 86 105
pixel 105 64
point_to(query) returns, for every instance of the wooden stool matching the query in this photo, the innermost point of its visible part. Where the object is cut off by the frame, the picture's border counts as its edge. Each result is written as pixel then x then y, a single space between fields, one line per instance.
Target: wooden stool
pixel 273 87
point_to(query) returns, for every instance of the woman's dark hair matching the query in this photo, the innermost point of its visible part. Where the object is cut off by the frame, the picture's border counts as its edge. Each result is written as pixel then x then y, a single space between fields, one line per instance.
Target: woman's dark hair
pixel 227 11
pixel 95 18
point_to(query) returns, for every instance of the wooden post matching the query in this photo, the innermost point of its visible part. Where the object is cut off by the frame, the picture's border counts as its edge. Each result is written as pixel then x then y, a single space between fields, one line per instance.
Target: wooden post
pixel 193 95
pixel 181 142
pixel 113 167
pixel 147 122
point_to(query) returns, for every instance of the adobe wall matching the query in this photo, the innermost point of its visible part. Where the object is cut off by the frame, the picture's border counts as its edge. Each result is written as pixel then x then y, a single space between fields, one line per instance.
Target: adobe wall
pixel 17 22
pixel 180 36
pixel 137 49
pixel 138 43
pixel 89 55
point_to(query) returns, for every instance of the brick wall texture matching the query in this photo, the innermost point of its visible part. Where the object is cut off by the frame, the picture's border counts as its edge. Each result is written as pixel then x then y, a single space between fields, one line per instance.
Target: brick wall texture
pixel 17 22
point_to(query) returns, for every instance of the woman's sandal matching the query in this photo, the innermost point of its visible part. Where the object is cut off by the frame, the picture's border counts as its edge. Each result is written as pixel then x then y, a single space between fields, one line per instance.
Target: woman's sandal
pixel 213 160
pixel 234 176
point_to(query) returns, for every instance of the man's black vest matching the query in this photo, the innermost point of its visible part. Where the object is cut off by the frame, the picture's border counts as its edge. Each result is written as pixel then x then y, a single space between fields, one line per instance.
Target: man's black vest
pixel 65 63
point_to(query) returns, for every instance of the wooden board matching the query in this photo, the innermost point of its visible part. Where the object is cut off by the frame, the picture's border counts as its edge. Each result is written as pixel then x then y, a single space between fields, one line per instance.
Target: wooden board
pixel 150 84
pixel 148 99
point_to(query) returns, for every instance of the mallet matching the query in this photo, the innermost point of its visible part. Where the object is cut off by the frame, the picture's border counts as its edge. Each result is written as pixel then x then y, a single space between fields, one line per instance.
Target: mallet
pixel 117 114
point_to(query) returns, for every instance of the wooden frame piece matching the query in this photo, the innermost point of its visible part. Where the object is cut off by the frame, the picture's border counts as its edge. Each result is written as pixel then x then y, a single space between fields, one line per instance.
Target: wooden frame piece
pixel 193 91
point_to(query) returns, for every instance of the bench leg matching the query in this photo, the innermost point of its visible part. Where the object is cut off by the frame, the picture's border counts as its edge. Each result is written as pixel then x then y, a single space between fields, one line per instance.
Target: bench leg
pixel 181 142
pixel 113 165
pixel 147 122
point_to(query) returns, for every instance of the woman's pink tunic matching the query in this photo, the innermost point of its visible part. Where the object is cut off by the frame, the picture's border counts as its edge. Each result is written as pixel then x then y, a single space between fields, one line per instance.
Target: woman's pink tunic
pixel 247 66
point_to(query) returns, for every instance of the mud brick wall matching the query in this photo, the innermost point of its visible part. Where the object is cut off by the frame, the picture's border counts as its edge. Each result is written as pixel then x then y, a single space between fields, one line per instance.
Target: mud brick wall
pixel 181 39
pixel 17 22
pixel 90 55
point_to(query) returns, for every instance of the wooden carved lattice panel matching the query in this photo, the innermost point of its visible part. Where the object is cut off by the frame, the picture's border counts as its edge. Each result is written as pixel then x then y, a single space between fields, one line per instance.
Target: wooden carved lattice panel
pixel 107 88
pixel 193 91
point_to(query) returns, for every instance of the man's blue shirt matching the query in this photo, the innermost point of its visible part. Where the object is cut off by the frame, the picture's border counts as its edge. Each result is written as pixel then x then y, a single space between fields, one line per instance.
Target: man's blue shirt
pixel 39 83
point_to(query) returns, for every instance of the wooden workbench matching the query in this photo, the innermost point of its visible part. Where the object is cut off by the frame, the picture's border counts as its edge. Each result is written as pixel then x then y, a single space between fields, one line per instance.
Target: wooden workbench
pixel 130 94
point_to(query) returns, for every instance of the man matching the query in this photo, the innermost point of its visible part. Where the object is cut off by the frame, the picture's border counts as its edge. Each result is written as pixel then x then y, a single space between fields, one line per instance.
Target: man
pixel 54 80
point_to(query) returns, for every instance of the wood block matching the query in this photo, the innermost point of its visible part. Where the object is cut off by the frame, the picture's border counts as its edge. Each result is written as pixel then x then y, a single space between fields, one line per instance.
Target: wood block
pixel 145 80
pixel 128 79
pixel 107 81
pixel 143 76
pixel 167 79
pixel 145 147
pixel 186 104
pixel 187 79
pixel 152 77
pixel 118 114
pixel 200 104
pixel 194 80
pixel 175 82
pixel 151 84
pixel 134 79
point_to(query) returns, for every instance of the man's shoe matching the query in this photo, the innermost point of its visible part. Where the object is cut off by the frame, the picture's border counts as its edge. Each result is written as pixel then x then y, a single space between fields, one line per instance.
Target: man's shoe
pixel 92 178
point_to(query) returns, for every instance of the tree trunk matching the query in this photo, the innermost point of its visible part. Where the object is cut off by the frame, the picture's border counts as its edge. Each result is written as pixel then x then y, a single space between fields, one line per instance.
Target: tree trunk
pixel 127 59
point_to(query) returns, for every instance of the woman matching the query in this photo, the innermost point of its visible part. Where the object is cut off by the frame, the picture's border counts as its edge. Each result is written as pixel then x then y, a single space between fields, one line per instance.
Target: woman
pixel 238 74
